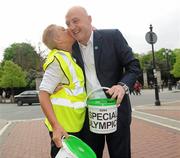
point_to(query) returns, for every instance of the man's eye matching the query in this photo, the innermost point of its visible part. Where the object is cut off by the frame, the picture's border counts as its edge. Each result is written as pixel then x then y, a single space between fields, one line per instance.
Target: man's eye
pixel 75 21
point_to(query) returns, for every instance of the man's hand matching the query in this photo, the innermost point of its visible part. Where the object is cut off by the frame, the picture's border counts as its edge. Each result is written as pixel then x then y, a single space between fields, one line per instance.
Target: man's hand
pixel 59 87
pixel 116 92
pixel 58 133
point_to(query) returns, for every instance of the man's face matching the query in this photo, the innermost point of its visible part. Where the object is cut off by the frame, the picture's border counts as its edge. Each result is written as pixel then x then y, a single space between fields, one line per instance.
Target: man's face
pixel 79 25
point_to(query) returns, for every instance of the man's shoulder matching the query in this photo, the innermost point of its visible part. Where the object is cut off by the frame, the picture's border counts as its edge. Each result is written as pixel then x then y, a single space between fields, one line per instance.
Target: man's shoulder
pixel 107 30
pixel 107 33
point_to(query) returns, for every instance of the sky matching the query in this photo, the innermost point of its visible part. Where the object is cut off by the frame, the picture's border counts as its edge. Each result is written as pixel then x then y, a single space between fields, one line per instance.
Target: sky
pixel 25 20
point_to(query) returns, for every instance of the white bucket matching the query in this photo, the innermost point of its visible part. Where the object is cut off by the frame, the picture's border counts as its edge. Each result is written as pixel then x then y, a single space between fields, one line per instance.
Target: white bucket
pixel 74 147
pixel 65 153
pixel 102 114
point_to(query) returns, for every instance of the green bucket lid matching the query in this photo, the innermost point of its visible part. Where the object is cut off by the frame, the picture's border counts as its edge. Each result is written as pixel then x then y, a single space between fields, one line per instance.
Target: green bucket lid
pixel 101 102
pixel 79 148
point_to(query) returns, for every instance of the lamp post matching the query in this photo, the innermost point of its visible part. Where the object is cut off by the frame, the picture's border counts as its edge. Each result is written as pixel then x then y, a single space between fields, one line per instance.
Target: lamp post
pixel 167 53
pixel 151 38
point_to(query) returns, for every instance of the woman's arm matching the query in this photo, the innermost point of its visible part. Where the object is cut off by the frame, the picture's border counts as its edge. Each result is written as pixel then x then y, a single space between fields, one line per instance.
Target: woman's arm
pixel 58 131
pixel 52 77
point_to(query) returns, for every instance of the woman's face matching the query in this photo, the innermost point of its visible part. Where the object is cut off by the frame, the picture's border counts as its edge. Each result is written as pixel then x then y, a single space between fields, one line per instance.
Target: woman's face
pixel 64 38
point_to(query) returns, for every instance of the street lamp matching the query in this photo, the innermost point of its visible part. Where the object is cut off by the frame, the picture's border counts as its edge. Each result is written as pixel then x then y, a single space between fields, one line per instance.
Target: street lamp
pixel 167 53
pixel 151 38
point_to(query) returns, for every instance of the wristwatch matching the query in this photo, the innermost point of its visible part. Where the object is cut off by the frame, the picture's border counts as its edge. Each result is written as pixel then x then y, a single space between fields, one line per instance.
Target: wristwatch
pixel 125 87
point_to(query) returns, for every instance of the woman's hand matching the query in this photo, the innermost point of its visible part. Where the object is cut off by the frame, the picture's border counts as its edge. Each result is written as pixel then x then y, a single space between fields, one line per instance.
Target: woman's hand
pixel 58 133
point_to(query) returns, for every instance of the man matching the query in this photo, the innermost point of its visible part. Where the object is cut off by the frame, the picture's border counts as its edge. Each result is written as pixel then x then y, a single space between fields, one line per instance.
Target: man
pixel 106 60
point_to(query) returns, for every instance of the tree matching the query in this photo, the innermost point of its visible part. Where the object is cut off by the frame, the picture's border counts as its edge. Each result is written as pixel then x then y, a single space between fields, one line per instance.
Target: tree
pixel 146 61
pixel 31 76
pixel 12 76
pixel 25 55
pixel 41 52
pixel 176 68
pixel 22 54
pixel 1 70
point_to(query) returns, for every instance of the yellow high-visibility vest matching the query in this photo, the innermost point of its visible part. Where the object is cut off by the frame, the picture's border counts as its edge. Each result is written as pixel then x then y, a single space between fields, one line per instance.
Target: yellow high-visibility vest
pixel 69 102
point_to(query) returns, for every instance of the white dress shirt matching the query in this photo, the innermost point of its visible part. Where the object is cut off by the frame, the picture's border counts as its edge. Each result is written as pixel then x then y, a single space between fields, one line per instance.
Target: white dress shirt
pixel 92 81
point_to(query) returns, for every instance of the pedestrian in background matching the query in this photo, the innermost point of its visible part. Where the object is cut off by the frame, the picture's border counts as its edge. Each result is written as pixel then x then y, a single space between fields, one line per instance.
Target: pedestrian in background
pixel 3 96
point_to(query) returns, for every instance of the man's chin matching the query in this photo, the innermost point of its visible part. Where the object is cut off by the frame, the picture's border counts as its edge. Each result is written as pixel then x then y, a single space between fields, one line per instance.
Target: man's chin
pixel 77 37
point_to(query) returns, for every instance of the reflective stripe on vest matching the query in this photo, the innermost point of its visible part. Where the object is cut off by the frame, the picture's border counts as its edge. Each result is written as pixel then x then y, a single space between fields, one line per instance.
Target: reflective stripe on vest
pixel 78 89
pixel 65 102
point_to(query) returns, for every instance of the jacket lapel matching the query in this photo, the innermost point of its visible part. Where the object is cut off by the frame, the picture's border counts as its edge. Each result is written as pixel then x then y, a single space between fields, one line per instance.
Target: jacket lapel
pixel 97 44
pixel 77 55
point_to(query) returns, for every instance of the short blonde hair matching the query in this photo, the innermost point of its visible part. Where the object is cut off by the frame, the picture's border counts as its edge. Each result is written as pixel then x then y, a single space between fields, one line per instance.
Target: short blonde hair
pixel 48 36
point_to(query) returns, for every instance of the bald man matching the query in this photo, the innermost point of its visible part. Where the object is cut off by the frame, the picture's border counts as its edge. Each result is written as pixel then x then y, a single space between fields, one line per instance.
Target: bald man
pixel 107 61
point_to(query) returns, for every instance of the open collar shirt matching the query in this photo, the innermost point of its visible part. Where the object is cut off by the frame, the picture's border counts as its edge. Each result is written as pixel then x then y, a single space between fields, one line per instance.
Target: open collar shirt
pixel 87 53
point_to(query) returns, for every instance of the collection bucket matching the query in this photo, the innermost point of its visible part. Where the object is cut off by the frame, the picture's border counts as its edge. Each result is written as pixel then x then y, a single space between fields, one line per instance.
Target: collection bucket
pixel 102 114
pixel 74 147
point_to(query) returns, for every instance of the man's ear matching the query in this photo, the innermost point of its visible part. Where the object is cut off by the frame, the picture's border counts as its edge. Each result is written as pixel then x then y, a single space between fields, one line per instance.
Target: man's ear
pixel 90 19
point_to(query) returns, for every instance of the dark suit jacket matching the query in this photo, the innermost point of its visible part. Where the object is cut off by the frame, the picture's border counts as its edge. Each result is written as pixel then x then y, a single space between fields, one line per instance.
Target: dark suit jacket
pixel 114 62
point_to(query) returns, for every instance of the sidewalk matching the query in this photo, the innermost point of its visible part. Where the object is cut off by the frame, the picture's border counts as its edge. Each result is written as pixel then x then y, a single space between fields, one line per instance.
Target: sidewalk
pixel 2 123
pixel 156 136
pixel 151 137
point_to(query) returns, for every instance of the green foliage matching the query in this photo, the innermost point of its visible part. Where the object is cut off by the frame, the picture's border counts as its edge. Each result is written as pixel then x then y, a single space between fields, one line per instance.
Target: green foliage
pixel 146 61
pixel 24 55
pixel 176 68
pixel 138 56
pixel 9 52
pixel 32 85
pixel 12 76
pixel 1 70
pixel 31 76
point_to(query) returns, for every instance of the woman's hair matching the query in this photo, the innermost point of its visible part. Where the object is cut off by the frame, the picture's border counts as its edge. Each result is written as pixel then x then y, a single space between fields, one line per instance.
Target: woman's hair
pixel 48 36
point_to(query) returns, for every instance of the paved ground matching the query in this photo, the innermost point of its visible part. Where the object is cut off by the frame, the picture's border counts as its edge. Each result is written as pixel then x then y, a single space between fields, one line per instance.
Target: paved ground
pixel 2 123
pixel 155 132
